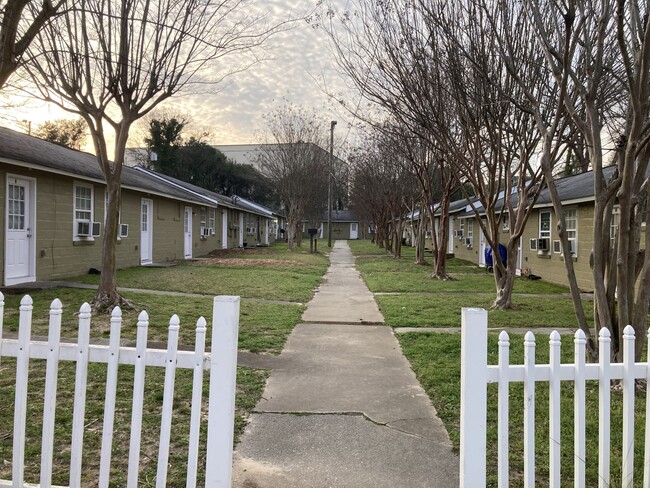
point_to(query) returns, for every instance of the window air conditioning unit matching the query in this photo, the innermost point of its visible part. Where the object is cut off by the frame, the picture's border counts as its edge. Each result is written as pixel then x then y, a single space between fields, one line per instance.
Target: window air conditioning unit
pixel 458 233
pixel 543 244
pixel 97 227
pixel 124 230
pixel 429 234
pixel 533 244
pixel 83 229
pixel 204 231
pixel 468 241
pixel 557 247
pixel 212 232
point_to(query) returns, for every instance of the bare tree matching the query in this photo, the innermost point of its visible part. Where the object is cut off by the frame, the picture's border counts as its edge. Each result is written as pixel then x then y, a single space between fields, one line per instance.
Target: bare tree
pixel 113 62
pixel 385 186
pixel 597 52
pixel 294 160
pixel 433 67
pixel 20 22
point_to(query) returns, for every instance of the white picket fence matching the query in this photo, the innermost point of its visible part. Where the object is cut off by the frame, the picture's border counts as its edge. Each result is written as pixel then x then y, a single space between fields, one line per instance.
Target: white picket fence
pixel 222 363
pixel 476 374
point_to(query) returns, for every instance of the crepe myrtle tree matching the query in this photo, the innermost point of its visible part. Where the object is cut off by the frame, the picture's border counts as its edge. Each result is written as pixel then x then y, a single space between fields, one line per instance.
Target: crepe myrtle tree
pixel 20 22
pixel 112 62
pixel 293 159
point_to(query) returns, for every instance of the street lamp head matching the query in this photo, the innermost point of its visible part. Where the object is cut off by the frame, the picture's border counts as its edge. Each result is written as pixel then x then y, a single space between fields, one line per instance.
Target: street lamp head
pixel 333 123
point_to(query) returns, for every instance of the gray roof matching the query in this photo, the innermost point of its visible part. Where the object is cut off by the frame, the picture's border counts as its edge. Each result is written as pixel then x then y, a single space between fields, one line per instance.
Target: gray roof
pixel 24 150
pixel 210 196
pixel 341 216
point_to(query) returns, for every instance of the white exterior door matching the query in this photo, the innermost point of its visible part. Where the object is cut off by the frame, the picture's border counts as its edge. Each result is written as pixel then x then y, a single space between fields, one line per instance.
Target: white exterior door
pixel 354 230
pixel 146 231
pixel 19 231
pixel 481 249
pixel 450 244
pixel 224 229
pixel 187 233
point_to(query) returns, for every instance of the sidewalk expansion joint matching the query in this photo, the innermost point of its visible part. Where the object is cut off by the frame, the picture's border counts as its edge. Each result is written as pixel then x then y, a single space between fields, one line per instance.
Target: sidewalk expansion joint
pixel 334 322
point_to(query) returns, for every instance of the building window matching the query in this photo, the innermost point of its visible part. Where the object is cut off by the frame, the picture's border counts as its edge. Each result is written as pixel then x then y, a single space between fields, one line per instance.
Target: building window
pixel 202 216
pixel 16 210
pixel 83 212
pixel 212 220
pixel 545 224
pixel 571 220
pixel 470 232
pixel 506 221
pixel 614 222
pixel 462 227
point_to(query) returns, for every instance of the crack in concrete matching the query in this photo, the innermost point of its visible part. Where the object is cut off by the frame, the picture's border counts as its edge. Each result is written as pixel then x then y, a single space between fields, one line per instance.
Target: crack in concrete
pixel 352 414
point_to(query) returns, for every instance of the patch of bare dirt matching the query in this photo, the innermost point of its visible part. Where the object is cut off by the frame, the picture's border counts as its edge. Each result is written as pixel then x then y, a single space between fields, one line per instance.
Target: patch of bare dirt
pixel 253 262
pixel 233 252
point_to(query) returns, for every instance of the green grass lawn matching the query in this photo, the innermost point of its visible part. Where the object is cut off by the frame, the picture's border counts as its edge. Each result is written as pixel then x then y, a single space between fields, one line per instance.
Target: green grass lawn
pixel 263 328
pixel 435 359
pixel 443 310
pixel 419 301
pixel 268 273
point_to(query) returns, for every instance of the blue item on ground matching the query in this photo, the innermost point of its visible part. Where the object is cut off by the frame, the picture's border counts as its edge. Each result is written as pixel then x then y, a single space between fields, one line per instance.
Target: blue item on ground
pixel 503 254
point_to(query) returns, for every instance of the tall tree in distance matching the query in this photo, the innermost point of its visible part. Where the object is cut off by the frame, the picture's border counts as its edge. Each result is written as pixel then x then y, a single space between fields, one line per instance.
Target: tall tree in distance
pixel 163 144
pixel 64 132
pixel 113 61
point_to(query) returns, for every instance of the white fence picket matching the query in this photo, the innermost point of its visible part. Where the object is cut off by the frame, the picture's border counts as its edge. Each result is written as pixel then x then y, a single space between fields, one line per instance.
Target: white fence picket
pixel 2 317
pixel 22 381
pixel 646 448
pixel 168 402
pixel 579 414
pixel 627 475
pixel 81 377
pixel 49 397
pixel 529 410
pixel 504 409
pixel 138 400
pixel 554 439
pixel 604 402
pixel 110 398
pixel 197 395
pixel 222 363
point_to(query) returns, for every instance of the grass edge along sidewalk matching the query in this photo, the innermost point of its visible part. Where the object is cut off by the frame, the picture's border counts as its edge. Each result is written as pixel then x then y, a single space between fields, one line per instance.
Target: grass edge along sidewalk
pixel 435 359
pixel 264 328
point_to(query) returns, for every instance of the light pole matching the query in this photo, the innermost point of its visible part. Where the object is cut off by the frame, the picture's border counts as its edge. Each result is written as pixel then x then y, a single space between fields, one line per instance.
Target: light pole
pixel 329 186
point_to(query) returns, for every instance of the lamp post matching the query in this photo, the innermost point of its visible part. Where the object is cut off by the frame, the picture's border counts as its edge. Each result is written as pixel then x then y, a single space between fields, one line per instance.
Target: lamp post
pixel 329 186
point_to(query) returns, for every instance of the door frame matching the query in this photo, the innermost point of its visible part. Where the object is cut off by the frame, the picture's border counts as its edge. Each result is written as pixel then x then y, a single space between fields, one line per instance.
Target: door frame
pixel 149 230
pixel 187 213
pixel 31 214
pixel 224 228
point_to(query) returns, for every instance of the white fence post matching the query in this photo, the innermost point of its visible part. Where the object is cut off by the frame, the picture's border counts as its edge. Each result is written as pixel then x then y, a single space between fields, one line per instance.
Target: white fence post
pixel 504 409
pixel 223 377
pixel 473 397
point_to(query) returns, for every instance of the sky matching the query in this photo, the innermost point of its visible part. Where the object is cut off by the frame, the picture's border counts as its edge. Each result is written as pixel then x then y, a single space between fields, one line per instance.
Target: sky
pixel 298 64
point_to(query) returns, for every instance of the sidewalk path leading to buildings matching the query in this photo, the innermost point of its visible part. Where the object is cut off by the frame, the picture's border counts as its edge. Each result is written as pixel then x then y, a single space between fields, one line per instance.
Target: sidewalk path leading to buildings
pixel 343 407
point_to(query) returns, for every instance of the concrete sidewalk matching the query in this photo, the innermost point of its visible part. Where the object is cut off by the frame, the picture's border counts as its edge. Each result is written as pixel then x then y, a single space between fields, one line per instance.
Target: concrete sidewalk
pixel 344 409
